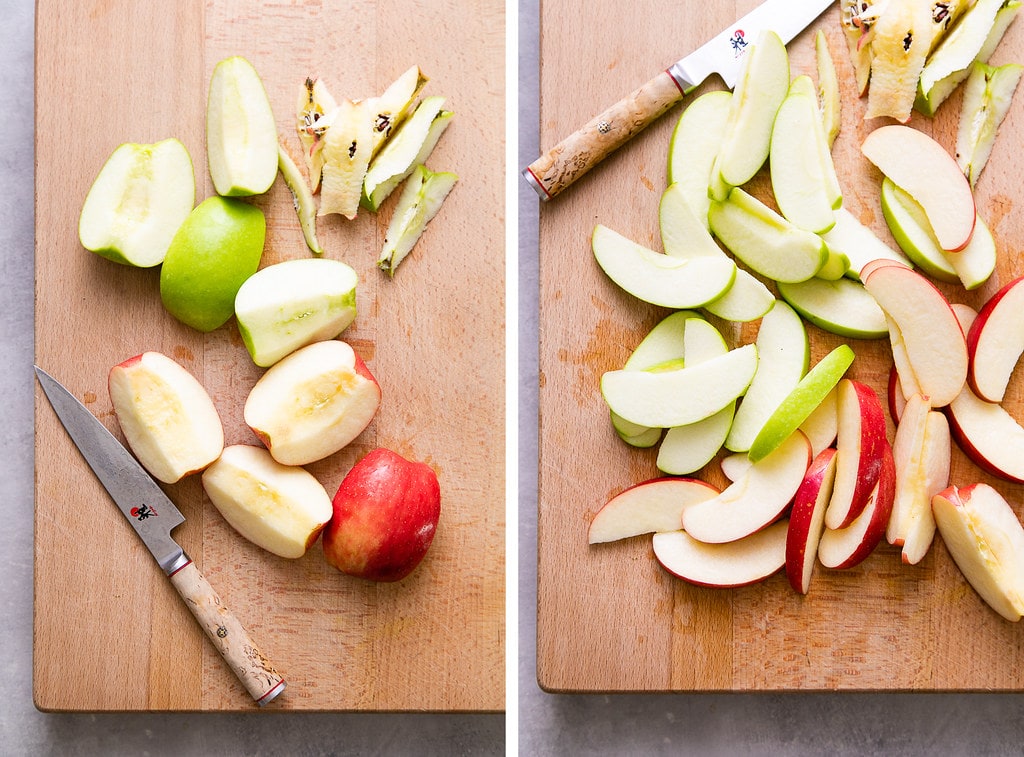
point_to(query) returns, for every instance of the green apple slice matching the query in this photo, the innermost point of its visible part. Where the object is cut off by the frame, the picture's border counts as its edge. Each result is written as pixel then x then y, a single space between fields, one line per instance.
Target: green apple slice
pixel 657 278
pixel 421 199
pixel 348 143
pixel 803 84
pixel 394 104
pixel 409 146
pixel 695 143
pixel 765 241
pixel 987 96
pixel 841 307
pixel 302 199
pixel 828 88
pixel 858 243
pixel 140 197
pixel 836 265
pixel 929 100
pixel 812 390
pixel 684 236
pixel 315 104
pixel 294 303
pixel 241 134
pixel 761 86
pixel 680 397
pixel 783 352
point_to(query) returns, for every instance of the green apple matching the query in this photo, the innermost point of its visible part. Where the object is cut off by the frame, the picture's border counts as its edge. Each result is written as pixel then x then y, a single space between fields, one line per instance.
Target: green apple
pixel 421 199
pixel 394 104
pixel 828 88
pixel 841 307
pixel 761 86
pixel 684 235
pixel 140 197
pixel 657 278
pixel 687 395
pixel 987 96
pixel 348 145
pixel 765 241
pixel 407 148
pixel 241 134
pixel 860 245
pixel 783 353
pixel 216 249
pixel 316 107
pixel 302 198
pixel 695 143
pixel 294 303
pixel 812 390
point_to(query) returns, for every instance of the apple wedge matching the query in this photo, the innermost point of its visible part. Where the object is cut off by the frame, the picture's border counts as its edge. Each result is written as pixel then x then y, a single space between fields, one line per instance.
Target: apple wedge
pixel 822 425
pixel 394 104
pixel 755 500
pixel 988 435
pixel 900 41
pixel 729 565
pixel 846 547
pixel 421 199
pixel 694 145
pixel 842 307
pixel 828 88
pixel 995 342
pixel 921 167
pixel 735 466
pixel 986 541
pixel 858 243
pixel 936 348
pixel 907 452
pixel 658 278
pixel 348 144
pixel 932 473
pixel 987 97
pixel 302 199
pixel 807 520
pixel 679 397
pixel 648 507
pixel 861 443
pixel 895 397
pixel 313 113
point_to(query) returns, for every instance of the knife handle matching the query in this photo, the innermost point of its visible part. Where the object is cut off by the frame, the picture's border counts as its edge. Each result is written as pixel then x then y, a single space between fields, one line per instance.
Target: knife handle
pixel 227 634
pixel 567 161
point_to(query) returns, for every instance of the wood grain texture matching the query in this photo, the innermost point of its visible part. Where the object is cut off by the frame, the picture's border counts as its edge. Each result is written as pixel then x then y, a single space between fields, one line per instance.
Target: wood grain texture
pixel 111 633
pixel 609 619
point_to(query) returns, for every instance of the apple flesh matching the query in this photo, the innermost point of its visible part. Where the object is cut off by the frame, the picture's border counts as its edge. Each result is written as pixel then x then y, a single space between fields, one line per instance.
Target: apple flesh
pixel 737 563
pixel 302 199
pixel 828 88
pixel 857 242
pixel 313 402
pixel 988 435
pixel 421 199
pixel 394 104
pixel 167 417
pixel 861 444
pixel 316 106
pixel 280 508
pixel 807 520
pixel 995 342
pixel 649 507
pixel 385 516
pixel 140 197
pixel 294 303
pixel 900 40
pixel 987 97
pixel 348 145
pixel 241 134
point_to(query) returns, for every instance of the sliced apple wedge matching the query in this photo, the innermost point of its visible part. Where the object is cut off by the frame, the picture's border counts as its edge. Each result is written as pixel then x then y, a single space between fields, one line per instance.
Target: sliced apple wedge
pixel 421 199
pixel 986 540
pixel 807 520
pixel 901 39
pixel 394 104
pixel 695 143
pixel 828 88
pixel 921 167
pixel 988 435
pixel 735 466
pixel 841 307
pixel 314 110
pixel 907 452
pixel 658 278
pixel 933 476
pixel 858 243
pixel 730 565
pixel 897 400
pixel 861 444
pixel 648 507
pixel 995 342
pixel 987 97
pixel 846 547
pixel 302 199
pixel 822 426
pixel 755 500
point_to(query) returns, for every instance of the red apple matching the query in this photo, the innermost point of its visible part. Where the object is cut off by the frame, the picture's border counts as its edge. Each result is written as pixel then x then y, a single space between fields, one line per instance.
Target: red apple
pixel 861 443
pixel 385 515
pixel 995 342
pixel 807 519
pixel 736 563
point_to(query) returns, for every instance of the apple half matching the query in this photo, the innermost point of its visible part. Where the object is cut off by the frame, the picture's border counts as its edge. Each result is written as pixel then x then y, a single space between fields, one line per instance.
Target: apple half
pixel 651 506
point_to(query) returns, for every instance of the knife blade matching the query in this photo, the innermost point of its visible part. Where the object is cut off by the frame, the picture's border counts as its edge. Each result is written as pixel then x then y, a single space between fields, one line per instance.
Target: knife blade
pixel 153 516
pixel 575 155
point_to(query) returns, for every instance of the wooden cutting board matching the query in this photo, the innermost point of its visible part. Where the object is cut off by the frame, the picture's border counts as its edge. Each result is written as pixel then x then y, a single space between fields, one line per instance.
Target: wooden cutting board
pixel 609 618
pixel 110 632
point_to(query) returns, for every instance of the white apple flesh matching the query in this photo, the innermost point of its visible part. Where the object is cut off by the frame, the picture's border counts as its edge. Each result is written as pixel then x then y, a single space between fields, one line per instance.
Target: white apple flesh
pixel 861 444
pixel 995 342
pixel 649 507
pixel 807 520
pixel 729 565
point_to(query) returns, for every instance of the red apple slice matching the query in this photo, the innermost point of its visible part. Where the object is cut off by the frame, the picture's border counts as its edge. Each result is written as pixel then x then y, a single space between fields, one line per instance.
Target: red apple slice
pixel 933 477
pixel 846 547
pixel 736 563
pixel 923 169
pixel 935 344
pixel 995 342
pixel 807 520
pixel 861 443
pixel 759 497
pixel 988 435
pixel 648 507
pixel 907 449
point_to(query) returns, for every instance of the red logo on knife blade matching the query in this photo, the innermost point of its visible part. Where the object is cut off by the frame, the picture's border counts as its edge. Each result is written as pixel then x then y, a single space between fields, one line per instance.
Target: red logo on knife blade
pixel 142 512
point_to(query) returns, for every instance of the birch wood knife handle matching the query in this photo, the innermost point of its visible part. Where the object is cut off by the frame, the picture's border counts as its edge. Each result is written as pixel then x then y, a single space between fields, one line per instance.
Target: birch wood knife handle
pixel 567 161
pixel 227 634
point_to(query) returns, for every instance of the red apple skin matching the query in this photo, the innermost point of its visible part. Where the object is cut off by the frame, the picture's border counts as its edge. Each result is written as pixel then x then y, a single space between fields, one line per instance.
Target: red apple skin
pixel 799 536
pixel 894 395
pixel 880 516
pixel 974 333
pixel 385 516
pixel 963 441
pixel 873 443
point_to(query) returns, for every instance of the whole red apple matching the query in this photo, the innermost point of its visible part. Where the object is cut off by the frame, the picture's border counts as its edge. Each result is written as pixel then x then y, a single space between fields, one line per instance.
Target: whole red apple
pixel 385 516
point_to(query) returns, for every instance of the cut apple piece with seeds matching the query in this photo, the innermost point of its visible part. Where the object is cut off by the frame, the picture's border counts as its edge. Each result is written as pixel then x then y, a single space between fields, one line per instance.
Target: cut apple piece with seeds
pixel 861 444
pixel 807 520
pixel 987 97
pixel 986 540
pixel 923 169
pixel 695 143
pixel 995 342
pixel 315 104
pixel 394 104
pixel 754 501
pixel 648 507
pixel 847 547
pixel 899 46
pixel 841 307
pixel 348 144
pixel 738 563
pixel 658 278
pixel 421 199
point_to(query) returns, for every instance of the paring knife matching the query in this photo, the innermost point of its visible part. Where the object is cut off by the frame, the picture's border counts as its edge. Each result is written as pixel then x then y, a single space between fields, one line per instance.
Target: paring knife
pixel 153 516
pixel 571 158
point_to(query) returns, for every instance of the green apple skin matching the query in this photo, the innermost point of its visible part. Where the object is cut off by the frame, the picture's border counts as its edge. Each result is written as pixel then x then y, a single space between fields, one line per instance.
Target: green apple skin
pixel 241 134
pixel 216 249
pixel 812 390
pixel 840 307
pixel 420 201
pixel 987 96
pixel 140 197
pixel 695 143
pixel 910 229
pixel 305 205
